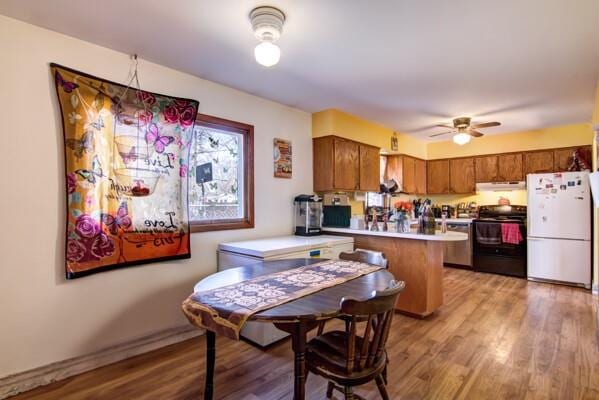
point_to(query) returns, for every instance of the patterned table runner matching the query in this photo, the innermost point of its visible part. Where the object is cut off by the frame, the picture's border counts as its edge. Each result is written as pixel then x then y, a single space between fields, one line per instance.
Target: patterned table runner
pixel 224 310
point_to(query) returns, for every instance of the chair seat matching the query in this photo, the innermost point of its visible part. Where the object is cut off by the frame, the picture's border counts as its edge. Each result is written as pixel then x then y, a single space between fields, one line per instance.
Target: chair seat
pixel 326 355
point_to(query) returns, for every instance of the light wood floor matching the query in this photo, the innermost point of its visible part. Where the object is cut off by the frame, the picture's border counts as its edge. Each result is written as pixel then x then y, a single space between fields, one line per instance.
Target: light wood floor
pixel 495 338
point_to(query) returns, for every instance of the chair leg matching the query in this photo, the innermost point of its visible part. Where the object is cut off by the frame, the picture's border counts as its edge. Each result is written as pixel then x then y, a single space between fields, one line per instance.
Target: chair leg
pixel 330 388
pixel 382 389
pixel 349 393
pixel 347 326
pixel 384 375
pixel 321 327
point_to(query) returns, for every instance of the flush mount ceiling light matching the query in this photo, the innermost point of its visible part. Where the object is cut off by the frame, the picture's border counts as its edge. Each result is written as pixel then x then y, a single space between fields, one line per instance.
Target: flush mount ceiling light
pixel 267 23
pixel 461 138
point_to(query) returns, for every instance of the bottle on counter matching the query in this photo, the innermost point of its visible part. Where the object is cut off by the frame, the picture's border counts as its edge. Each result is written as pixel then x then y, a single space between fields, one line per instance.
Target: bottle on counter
pixel 444 223
pixel 426 221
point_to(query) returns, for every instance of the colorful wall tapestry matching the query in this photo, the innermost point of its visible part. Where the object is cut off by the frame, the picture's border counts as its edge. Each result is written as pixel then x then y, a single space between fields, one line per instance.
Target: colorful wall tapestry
pixel 126 154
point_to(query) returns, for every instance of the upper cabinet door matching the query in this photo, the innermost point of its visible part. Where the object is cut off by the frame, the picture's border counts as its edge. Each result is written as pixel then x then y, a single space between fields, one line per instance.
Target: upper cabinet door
pixel 322 163
pixel 370 168
pixel 408 182
pixel 420 176
pixel 347 165
pixel 509 167
pixel 486 169
pixel 461 175
pixel 394 168
pixel 437 176
pixel 562 158
pixel 538 162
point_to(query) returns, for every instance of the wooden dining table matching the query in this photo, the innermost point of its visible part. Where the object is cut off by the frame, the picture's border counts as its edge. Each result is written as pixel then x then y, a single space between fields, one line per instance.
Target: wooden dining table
pixel 296 317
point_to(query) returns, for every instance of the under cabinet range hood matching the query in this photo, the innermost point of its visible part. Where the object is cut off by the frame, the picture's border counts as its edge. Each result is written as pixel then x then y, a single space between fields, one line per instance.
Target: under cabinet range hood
pixel 500 186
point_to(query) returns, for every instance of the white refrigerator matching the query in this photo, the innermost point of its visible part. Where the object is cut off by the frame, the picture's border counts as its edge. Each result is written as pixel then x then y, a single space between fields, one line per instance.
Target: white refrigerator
pixel 238 254
pixel 559 228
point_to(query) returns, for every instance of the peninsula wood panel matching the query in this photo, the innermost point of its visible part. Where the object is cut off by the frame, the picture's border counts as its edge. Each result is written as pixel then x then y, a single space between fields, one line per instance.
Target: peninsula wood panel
pixel 437 176
pixel 509 167
pixel 370 168
pixel 461 175
pixel 420 176
pixel 537 162
pixel 417 262
pixel 486 168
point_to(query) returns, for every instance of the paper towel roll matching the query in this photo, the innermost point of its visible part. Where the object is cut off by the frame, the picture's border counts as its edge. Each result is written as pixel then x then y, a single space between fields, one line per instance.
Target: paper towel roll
pixel 594 179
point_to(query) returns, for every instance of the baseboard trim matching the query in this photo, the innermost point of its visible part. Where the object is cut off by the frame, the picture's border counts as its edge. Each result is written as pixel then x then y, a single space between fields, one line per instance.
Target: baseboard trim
pixel 27 380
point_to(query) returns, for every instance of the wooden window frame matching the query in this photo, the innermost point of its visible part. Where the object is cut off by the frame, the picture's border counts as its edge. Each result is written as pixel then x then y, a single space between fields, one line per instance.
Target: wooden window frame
pixel 247 222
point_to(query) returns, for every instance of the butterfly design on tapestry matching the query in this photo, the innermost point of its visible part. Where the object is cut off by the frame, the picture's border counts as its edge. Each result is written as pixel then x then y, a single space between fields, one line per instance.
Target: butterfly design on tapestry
pixel 66 86
pixel 120 220
pixel 83 145
pixel 90 175
pixel 154 138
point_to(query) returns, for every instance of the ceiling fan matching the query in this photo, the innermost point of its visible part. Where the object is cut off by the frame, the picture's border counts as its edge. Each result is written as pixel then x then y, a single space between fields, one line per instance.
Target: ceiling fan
pixel 464 130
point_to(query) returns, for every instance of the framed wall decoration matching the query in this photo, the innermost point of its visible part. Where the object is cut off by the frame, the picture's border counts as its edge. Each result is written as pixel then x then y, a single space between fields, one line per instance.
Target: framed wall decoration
pixel 282 158
pixel 394 144
pixel 126 153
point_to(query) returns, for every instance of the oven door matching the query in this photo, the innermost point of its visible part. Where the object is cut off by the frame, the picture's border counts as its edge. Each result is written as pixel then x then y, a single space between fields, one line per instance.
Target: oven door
pixel 502 258
pixel 501 249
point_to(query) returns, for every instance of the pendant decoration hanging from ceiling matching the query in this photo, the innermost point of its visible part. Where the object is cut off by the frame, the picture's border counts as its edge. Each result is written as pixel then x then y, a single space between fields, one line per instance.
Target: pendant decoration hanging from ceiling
pixel 126 153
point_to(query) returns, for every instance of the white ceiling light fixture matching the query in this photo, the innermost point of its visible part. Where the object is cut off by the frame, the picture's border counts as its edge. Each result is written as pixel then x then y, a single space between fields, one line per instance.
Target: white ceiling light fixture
pixel 461 138
pixel 267 23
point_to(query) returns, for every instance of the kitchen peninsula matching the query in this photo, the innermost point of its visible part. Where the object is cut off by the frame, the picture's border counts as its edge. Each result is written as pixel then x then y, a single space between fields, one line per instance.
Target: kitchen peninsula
pixel 413 258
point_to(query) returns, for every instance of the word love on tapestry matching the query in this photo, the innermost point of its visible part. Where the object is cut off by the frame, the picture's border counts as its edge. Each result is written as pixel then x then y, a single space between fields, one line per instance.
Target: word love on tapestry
pixel 126 153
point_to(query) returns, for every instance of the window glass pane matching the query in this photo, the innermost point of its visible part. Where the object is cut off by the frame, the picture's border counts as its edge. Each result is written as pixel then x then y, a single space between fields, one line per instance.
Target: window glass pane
pixel 220 196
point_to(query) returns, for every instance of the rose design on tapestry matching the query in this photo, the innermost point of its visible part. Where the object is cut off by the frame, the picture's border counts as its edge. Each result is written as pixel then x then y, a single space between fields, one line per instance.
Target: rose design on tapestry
pixel 126 150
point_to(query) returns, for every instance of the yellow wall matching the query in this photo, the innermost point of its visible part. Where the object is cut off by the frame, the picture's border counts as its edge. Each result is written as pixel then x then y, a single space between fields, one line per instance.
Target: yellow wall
pixel 546 138
pixel 516 197
pixel 595 119
pixel 335 122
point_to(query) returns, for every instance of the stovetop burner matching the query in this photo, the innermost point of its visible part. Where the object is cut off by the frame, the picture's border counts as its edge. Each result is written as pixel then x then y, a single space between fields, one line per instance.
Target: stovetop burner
pixel 501 213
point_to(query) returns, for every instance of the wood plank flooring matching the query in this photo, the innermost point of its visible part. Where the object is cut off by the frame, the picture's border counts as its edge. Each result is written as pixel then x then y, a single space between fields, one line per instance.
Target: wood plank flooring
pixel 495 338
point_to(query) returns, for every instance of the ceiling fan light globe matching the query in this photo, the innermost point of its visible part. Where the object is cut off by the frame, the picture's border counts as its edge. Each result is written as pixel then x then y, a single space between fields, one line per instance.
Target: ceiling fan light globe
pixel 461 138
pixel 267 54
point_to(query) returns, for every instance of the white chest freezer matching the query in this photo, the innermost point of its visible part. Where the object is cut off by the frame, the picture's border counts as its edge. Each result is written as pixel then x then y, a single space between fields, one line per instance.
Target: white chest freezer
pixel 238 254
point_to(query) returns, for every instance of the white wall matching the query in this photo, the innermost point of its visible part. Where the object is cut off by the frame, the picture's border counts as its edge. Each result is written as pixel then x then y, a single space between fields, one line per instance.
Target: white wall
pixel 43 317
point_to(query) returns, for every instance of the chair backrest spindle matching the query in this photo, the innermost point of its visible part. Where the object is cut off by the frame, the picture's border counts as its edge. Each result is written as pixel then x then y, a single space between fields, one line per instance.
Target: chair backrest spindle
pixel 379 309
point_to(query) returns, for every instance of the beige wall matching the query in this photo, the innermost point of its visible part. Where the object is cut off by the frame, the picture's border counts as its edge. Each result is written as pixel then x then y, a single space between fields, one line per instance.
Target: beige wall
pixel 45 318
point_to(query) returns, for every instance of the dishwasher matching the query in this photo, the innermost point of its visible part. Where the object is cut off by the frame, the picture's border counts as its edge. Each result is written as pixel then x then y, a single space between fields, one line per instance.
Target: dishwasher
pixel 459 254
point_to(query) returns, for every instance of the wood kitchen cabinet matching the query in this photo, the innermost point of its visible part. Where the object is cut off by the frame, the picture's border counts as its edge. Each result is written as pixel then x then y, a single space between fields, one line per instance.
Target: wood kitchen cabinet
pixel 538 162
pixel 420 176
pixel 509 167
pixel 562 158
pixel 409 172
pixel 462 176
pixel 370 170
pixel 486 168
pixel 342 164
pixel 437 176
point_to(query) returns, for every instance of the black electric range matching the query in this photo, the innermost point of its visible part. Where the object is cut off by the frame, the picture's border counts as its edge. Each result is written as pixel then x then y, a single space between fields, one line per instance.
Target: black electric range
pixel 490 252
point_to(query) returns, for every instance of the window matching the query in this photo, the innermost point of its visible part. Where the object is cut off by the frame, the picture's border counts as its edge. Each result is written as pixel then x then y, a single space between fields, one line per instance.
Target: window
pixel 221 175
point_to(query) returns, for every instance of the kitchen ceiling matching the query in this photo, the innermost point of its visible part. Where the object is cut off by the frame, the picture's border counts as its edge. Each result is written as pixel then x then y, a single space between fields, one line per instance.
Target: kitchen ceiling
pixel 405 64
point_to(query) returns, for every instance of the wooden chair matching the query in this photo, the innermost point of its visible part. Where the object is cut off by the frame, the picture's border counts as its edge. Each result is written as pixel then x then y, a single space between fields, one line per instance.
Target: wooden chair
pixel 369 257
pixel 347 359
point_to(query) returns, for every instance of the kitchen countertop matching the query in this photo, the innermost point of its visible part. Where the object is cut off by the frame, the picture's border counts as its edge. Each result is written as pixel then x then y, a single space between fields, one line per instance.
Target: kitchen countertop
pixel 439 237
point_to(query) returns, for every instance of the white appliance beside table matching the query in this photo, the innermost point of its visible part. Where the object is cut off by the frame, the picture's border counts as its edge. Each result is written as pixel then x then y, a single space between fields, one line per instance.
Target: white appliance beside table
pixel 559 228
pixel 237 254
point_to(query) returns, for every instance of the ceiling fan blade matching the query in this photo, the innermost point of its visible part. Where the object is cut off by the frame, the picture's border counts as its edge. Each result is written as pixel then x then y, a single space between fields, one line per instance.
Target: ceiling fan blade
pixel 445 126
pixel 485 125
pixel 474 133
pixel 439 134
